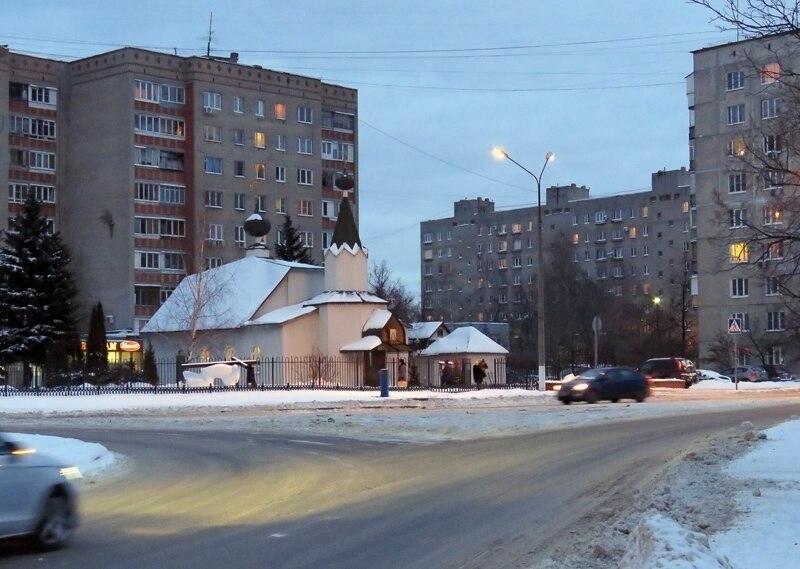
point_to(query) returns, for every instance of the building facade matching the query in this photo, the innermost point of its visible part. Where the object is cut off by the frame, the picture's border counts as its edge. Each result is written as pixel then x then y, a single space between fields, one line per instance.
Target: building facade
pixel 480 264
pixel 738 103
pixel 157 156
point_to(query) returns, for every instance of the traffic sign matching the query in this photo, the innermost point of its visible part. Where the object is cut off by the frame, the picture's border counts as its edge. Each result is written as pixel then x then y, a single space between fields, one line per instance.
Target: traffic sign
pixel 734 325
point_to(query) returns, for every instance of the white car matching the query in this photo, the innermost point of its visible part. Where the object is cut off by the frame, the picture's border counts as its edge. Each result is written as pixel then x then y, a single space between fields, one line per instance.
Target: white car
pixel 709 374
pixel 37 497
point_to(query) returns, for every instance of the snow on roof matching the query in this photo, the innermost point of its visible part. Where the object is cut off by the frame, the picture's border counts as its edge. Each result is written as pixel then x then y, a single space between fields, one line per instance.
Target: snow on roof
pixel 423 330
pixel 333 297
pixel 282 315
pixel 226 296
pixel 365 344
pixel 378 319
pixel 466 340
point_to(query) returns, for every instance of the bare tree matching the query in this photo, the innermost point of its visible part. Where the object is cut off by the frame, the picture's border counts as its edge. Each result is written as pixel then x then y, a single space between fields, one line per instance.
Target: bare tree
pixel 384 284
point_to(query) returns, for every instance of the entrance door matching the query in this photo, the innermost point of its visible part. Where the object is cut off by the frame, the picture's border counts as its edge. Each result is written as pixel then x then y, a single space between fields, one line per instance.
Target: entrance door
pixel 373 363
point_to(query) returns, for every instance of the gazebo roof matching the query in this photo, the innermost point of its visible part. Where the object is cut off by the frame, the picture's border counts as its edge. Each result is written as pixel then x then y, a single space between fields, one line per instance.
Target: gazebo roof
pixel 466 340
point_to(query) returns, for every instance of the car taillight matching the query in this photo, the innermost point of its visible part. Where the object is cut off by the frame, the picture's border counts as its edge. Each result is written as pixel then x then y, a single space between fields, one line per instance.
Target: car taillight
pixel 650 380
pixel 753 375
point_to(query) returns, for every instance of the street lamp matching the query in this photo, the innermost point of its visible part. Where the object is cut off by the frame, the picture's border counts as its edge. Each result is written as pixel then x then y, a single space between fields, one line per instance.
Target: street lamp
pixel 501 154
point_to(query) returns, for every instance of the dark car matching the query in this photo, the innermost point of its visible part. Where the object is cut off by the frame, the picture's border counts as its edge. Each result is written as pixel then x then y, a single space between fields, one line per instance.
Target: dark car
pixel 611 383
pixel 670 368
pixel 747 373
pixel 778 372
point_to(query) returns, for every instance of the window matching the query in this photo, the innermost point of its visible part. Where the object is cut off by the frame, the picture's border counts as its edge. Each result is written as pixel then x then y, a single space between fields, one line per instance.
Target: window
pixel 646 250
pixel 334 150
pixel 212 262
pixel 770 108
pixel 154 227
pixel 776 320
pixel 42 96
pixel 632 232
pixel 215 232
pixel 576 238
pixel 261 171
pixel 238 201
pixel 213 165
pixel 736 183
pixel 304 146
pixel 238 236
pixel 160 193
pixel 327 239
pixel 305 208
pixel 238 168
pixel 735 80
pixel 213 133
pixel 740 288
pixel 259 139
pixel 145 91
pixel 41 160
pixel 773 215
pixel 305 176
pixel 172 94
pixel 645 231
pixel 238 105
pixel 261 204
pixel 773 144
pixel 770 73
pixel 146 260
pixel 744 320
pixel 260 108
pixel 280 142
pixel 330 209
pixel 17 193
pixel 738 218
pixel 280 174
pixel 307 238
pixel 645 211
pixel 280 205
pixel 213 198
pixel 772 179
pixel 172 261
pixel 600 217
pixel 736 147
pixel 736 114
pixel 212 100
pixel 775 355
pixel 238 136
pixel 774 251
pixel 772 286
pixel 280 111
pixel 739 252
pixel 42 129
pixel 158 126
pixel 333 120
pixel 428 238
pixel 304 115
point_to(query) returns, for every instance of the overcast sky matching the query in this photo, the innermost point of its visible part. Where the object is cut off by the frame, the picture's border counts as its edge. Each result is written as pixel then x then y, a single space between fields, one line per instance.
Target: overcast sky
pixel 598 82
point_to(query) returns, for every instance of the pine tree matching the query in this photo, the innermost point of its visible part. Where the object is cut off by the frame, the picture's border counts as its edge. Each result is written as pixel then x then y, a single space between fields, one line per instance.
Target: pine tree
pixel 96 348
pixel 36 290
pixel 292 247
pixel 149 367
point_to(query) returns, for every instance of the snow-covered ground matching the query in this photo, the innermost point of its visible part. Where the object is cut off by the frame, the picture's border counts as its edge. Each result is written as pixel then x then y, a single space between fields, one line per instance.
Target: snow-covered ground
pixel 714 513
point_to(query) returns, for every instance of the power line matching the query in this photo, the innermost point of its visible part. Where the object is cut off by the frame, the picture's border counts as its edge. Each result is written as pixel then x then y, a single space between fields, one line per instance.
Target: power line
pixel 503 90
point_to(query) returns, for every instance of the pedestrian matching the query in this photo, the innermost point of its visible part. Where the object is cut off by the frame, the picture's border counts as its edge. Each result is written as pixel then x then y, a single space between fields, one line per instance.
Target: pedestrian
pixel 402 377
pixel 448 374
pixel 479 372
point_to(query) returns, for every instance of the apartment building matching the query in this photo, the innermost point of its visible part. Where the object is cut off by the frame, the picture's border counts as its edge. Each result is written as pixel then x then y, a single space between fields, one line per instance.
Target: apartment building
pixel 480 264
pixel 160 158
pixel 737 104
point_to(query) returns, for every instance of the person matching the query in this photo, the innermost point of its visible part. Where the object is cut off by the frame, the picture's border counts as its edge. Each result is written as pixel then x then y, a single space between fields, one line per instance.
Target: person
pixel 402 378
pixel 448 373
pixel 479 372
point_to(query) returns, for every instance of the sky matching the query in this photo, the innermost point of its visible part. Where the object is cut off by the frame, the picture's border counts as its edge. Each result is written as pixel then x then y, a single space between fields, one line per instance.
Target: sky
pixel 764 534
pixel 600 84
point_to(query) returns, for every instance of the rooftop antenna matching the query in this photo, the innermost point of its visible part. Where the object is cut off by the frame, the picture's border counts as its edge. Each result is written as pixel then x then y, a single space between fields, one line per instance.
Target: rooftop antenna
pixel 208 46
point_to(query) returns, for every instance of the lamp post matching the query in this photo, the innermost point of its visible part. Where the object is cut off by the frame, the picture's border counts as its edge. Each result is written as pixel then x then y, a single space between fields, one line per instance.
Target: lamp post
pixel 501 154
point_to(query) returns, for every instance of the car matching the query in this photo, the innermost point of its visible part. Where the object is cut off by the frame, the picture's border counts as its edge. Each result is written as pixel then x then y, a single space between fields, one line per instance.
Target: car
pixel 747 373
pixel 39 498
pixel 670 368
pixel 778 372
pixel 611 384
pixel 703 374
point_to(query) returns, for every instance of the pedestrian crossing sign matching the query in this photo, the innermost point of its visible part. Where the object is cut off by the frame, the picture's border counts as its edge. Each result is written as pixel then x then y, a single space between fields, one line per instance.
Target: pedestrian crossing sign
pixel 734 325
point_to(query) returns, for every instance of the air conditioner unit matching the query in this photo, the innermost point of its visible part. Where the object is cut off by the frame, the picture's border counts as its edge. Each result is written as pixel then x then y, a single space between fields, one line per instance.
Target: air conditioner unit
pixel 208 110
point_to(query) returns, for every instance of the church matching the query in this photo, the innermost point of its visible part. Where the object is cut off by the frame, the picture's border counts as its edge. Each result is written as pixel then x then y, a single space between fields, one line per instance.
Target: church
pixel 259 308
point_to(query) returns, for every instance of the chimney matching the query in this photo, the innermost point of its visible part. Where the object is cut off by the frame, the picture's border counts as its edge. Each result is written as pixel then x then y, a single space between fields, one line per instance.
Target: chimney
pixel 234 57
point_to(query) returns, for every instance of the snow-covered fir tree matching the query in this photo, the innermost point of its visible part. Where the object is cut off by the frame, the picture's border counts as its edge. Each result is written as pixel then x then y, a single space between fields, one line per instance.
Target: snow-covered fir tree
pixel 37 291
pixel 292 248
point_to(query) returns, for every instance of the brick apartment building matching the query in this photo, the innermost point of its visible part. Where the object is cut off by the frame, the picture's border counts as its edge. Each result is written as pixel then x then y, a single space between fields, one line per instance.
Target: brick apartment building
pixel 149 163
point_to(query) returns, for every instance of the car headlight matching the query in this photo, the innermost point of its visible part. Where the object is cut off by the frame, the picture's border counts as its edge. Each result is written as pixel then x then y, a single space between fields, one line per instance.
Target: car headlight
pixel 556 388
pixel 71 473
pixel 580 387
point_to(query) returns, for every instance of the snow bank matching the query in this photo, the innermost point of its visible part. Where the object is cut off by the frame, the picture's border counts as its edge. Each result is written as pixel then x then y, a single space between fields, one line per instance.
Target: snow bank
pixel 92 459
pixel 729 385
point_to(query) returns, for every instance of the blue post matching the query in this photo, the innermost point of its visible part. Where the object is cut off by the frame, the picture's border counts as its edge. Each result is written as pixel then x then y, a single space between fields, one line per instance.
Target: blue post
pixel 383 375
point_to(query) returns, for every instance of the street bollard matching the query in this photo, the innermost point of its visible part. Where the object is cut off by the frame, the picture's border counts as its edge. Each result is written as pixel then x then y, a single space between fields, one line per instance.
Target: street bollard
pixel 383 375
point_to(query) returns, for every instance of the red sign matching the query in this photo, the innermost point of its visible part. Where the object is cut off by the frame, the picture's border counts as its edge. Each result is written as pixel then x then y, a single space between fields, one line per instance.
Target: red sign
pixel 130 346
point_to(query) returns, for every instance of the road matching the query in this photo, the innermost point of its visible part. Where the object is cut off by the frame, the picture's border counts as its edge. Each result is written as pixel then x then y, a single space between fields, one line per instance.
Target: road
pixel 202 499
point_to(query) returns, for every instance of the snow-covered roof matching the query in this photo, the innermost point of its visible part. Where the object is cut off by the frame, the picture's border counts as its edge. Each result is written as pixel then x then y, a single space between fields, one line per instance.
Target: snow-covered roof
pixel 423 330
pixel 282 315
pixel 333 297
pixel 226 296
pixel 466 340
pixel 365 344
pixel 378 319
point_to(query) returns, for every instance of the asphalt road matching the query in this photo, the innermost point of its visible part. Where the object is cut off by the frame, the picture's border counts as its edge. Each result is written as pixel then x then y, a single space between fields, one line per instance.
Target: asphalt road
pixel 204 499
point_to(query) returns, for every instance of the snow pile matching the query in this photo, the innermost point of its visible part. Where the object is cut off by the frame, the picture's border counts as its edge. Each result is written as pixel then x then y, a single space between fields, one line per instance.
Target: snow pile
pixel 729 385
pixel 91 458
pixel 659 542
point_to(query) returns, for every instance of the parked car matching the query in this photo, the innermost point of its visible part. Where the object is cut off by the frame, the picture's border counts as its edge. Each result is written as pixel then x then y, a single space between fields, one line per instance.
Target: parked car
pixel 778 372
pixel 670 368
pixel 747 373
pixel 710 374
pixel 39 500
pixel 611 383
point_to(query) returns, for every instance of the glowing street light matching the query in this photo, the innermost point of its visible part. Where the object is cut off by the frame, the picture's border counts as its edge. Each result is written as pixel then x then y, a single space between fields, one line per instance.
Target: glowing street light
pixel 501 154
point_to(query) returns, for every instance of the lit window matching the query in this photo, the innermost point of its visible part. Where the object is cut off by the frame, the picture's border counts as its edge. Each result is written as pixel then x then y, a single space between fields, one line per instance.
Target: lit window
pixel 736 147
pixel 260 139
pixel 773 215
pixel 739 252
pixel 770 73
pixel 280 111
